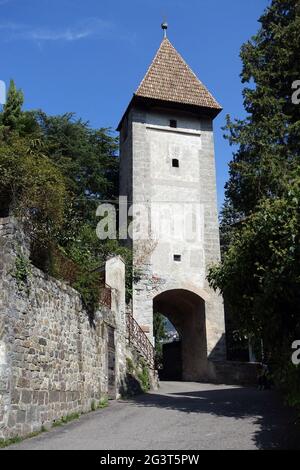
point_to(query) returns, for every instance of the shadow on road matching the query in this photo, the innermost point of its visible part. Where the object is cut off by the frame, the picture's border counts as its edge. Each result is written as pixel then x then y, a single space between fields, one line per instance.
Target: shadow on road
pixel 276 423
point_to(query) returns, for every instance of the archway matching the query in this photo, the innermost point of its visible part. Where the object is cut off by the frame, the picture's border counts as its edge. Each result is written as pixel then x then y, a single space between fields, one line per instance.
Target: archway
pixel 167 342
pixel 186 311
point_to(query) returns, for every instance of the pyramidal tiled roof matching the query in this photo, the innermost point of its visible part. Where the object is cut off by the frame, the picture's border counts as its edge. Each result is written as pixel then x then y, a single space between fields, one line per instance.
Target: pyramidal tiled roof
pixel 169 78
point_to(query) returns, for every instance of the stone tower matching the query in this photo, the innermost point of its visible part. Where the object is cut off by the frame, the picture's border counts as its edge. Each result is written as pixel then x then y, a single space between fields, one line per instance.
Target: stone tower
pixel 167 171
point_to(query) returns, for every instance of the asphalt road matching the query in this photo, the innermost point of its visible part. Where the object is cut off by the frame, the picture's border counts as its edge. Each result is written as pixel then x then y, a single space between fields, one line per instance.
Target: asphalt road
pixel 179 416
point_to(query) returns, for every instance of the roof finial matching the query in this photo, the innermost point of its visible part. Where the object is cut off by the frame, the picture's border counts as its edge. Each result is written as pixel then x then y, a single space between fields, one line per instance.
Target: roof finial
pixel 164 27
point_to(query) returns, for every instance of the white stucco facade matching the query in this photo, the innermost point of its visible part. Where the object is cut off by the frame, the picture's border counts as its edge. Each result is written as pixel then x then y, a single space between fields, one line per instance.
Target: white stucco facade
pixel 148 179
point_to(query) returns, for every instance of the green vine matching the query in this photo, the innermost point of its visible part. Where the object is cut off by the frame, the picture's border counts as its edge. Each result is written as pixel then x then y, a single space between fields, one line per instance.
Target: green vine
pixel 144 376
pixel 22 272
pixel 140 371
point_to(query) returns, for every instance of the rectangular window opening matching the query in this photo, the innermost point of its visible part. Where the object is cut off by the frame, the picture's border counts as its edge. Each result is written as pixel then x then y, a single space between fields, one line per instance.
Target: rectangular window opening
pixel 175 163
pixel 177 258
pixel 173 123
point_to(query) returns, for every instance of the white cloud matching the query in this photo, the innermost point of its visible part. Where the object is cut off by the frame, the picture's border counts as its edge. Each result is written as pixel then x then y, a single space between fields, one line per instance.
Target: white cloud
pixel 47 35
pixel 10 26
pixel 87 28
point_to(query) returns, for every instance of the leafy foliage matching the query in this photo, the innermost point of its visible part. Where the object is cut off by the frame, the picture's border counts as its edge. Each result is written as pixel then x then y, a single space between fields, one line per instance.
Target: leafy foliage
pixel 31 186
pixel 54 172
pixel 159 329
pixel 144 376
pixel 13 119
pixel 86 157
pixel 129 365
pixel 259 274
pixel 22 271
pixel 12 110
pixel 268 138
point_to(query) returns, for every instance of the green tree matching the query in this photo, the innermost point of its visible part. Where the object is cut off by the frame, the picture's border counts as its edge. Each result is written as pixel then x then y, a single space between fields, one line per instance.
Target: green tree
pixel 260 280
pixel 31 187
pixel 12 110
pixel 268 138
pixel 259 274
pixel 55 171
pixel 159 329
pixel 12 118
pixel 87 158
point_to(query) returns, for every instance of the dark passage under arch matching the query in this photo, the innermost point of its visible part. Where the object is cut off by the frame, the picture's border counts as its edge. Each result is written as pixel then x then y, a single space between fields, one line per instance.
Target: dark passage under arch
pixel 186 311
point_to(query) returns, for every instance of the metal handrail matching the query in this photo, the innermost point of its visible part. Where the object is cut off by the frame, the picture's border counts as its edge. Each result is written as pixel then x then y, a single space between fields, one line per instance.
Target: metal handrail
pixel 140 340
pixel 105 296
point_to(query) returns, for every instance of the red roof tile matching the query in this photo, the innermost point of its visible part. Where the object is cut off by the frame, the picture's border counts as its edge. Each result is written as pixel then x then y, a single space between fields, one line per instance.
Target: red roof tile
pixel 169 78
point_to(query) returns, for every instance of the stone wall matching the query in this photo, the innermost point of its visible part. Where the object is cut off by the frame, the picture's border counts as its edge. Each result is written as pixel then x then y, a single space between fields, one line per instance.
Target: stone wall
pixel 233 372
pixel 53 359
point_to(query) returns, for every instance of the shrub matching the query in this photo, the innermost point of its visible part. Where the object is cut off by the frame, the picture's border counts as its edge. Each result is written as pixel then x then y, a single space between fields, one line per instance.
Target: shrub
pixel 144 376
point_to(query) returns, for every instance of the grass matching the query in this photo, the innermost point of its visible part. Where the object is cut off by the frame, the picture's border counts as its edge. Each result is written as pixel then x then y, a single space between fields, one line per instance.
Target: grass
pixel 66 419
pixel 18 439
pixel 9 442
pixel 103 403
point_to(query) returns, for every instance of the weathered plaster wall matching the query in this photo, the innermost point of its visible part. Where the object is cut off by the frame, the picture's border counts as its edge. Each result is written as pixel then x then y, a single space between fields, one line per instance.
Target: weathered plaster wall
pixel 146 167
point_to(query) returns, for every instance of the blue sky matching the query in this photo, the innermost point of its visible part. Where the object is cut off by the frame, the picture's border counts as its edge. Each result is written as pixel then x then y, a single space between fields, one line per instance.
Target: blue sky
pixel 88 56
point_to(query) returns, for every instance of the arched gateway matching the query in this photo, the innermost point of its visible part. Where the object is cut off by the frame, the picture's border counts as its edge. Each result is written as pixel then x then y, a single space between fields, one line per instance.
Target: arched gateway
pixel 167 172
pixel 186 311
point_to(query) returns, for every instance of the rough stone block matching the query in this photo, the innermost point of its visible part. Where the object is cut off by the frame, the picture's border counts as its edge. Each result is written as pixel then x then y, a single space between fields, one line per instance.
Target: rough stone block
pixel 53 396
pixel 21 416
pixel 26 396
